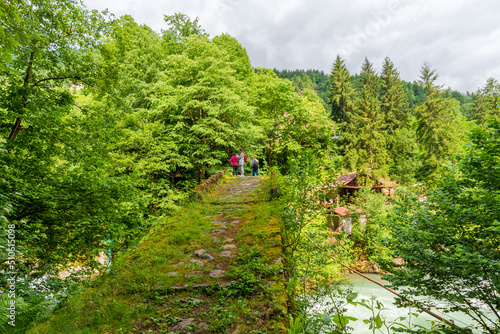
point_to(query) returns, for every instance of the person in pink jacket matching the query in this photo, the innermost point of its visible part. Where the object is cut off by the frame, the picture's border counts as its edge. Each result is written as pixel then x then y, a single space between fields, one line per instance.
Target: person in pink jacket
pixel 234 163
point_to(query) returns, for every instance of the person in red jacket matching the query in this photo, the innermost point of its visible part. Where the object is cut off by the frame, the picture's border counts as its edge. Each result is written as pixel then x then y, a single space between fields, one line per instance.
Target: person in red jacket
pixel 234 163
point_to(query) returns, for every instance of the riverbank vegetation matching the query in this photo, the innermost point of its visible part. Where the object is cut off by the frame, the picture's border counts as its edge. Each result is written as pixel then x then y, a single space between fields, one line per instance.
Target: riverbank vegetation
pixel 106 126
pixel 439 248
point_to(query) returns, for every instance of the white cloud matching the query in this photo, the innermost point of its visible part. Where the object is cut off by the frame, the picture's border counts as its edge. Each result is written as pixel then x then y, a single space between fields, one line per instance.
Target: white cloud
pixel 459 37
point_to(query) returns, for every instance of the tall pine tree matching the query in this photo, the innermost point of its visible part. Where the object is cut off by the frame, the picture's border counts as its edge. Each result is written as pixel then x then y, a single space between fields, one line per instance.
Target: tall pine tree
pixel 401 141
pixel 394 103
pixel 440 126
pixel 365 149
pixel 342 93
pixel 487 102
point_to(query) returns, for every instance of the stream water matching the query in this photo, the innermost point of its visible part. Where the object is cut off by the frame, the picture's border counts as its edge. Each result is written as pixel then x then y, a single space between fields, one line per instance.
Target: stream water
pixel 367 289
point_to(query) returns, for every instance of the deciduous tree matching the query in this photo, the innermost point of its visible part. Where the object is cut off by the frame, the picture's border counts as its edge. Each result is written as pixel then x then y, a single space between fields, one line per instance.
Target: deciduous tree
pixel 46 45
pixel 450 239
pixel 61 196
pixel 198 99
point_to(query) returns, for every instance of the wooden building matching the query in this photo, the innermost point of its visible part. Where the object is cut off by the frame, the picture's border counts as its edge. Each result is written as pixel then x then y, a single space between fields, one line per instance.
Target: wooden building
pixel 340 219
pixel 346 186
pixel 344 190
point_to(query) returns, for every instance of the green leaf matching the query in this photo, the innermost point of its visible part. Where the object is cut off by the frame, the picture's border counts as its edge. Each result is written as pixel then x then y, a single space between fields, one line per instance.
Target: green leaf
pixel 326 319
pixel 350 297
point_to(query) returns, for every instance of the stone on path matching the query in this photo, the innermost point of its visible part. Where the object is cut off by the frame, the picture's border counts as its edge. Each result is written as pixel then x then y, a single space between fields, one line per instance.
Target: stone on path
pixel 197 262
pixel 217 273
pixel 180 287
pixel 230 246
pixel 203 325
pixel 226 254
pixel 183 324
pixel 195 273
pixel 218 231
pixel 199 252
pixel 207 257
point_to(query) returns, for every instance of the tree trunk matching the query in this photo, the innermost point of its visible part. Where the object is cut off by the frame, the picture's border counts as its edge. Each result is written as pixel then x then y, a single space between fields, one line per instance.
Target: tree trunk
pixel 15 129
pixel 202 173
pixel 17 124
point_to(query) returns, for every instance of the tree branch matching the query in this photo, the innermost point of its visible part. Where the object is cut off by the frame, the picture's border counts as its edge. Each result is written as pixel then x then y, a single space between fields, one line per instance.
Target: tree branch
pixel 56 78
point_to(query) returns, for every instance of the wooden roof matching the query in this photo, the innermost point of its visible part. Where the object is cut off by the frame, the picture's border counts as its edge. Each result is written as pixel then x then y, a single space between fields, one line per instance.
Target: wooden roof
pixel 387 183
pixel 346 178
pixel 341 211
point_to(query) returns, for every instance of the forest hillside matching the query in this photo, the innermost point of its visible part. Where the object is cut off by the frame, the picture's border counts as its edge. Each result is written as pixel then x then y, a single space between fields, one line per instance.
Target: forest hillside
pixel 107 126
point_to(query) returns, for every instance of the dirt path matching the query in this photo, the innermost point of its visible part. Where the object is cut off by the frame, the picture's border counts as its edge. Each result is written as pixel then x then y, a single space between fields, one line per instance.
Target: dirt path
pixel 230 201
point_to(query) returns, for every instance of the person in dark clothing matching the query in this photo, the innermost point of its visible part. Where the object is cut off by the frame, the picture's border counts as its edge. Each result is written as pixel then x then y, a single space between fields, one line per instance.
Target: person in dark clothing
pixel 255 166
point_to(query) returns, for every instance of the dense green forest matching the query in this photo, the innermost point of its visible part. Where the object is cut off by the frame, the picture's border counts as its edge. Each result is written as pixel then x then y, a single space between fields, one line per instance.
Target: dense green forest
pixel 304 80
pixel 90 170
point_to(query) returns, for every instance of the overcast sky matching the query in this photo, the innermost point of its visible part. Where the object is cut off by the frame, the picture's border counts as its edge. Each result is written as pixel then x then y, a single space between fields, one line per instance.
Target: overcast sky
pixel 459 38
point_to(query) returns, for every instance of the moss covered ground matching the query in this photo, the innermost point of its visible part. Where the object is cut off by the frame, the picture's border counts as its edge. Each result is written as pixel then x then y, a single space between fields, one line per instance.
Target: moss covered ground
pixel 215 267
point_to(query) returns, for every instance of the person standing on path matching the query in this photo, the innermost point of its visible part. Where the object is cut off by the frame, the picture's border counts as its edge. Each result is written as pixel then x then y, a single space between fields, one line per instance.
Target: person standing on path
pixel 234 163
pixel 241 162
pixel 255 166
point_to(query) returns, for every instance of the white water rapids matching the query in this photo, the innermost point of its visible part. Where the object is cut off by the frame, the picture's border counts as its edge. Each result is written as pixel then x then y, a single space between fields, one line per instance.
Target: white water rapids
pixel 391 313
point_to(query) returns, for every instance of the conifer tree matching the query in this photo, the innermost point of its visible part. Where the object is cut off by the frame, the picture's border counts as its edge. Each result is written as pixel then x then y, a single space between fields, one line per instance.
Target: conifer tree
pixel 342 93
pixel 487 102
pixel 401 141
pixel 365 149
pixel 440 127
pixel 394 103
